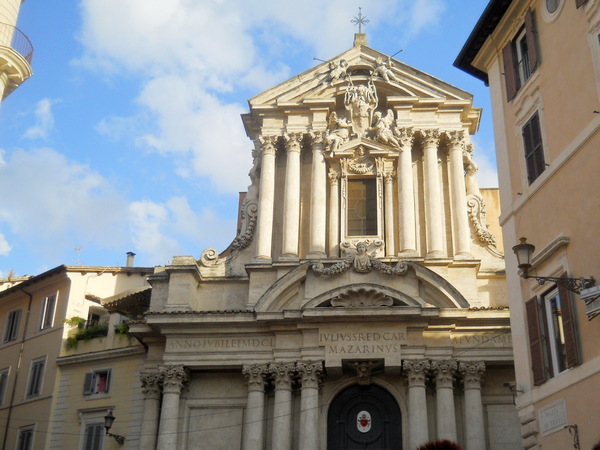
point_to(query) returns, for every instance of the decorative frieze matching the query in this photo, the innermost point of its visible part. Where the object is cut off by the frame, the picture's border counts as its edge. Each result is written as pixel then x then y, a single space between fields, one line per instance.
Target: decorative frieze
pixel 360 262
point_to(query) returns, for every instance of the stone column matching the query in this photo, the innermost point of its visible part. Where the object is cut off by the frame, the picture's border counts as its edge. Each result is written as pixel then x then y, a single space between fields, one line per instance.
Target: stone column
pixel 390 234
pixel 151 389
pixel 445 416
pixel 334 214
pixel 416 372
pixel 266 197
pixel 408 235
pixel 310 373
pixel 462 238
pixel 255 408
pixel 173 378
pixel 291 201
pixel 282 409
pixel 472 373
pixel 433 195
pixel 318 198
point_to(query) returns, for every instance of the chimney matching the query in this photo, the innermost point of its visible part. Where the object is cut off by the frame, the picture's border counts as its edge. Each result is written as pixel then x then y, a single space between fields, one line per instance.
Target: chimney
pixel 130 256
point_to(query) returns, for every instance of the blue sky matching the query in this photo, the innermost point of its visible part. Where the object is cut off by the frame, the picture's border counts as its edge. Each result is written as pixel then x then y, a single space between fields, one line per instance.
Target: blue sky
pixel 128 135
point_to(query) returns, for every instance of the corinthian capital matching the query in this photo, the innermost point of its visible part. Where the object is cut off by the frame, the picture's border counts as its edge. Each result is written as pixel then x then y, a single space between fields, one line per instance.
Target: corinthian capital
pixel 317 138
pixel 444 372
pixel 293 141
pixel 404 136
pixel 282 374
pixel 310 373
pixel 472 374
pixel 174 378
pixel 416 371
pixel 430 137
pixel 456 139
pixel 268 145
pixel 334 177
pixel 256 374
pixel 150 384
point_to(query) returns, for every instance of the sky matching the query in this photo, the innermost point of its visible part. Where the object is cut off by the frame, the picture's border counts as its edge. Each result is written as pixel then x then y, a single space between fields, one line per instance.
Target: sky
pixel 128 136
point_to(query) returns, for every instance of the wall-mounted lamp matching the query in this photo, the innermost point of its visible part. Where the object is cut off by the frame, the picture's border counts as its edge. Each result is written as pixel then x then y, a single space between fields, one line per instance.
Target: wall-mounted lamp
pixel 108 421
pixel 574 431
pixel 524 252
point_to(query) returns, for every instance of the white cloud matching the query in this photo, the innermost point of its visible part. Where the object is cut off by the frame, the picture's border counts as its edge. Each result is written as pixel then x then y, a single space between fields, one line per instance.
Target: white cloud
pixel 191 57
pixel 485 158
pixel 5 247
pixel 44 121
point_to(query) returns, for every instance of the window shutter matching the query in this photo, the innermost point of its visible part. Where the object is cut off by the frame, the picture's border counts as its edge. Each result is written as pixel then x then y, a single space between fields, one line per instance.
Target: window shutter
pixel 108 374
pixel 88 384
pixel 531 40
pixel 535 342
pixel 568 319
pixel 580 3
pixel 510 74
pixel 15 324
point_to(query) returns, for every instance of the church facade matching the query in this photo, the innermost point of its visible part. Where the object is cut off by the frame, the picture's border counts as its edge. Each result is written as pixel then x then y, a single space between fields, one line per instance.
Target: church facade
pixel 362 304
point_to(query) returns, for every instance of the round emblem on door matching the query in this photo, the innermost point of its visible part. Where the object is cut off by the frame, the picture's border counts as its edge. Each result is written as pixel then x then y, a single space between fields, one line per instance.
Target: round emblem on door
pixel 363 421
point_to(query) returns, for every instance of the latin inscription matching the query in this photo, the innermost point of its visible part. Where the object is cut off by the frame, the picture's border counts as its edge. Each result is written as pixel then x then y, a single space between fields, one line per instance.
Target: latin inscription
pixel 209 344
pixel 362 343
pixel 473 339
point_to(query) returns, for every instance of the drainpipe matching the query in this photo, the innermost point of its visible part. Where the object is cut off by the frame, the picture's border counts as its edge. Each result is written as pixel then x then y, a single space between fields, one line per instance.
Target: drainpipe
pixel 18 369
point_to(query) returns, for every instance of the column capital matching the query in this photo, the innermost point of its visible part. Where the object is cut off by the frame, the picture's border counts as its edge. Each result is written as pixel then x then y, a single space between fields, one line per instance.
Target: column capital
pixel 282 374
pixel 174 378
pixel 334 177
pixel 293 141
pixel 310 373
pixel 444 372
pixel 456 138
pixel 151 384
pixel 431 138
pixel 405 137
pixel 268 145
pixel 417 371
pixel 389 177
pixel 472 374
pixel 256 374
pixel 317 138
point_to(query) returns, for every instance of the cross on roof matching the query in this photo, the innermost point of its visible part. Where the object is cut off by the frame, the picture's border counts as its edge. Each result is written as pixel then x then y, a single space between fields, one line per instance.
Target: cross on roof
pixel 360 20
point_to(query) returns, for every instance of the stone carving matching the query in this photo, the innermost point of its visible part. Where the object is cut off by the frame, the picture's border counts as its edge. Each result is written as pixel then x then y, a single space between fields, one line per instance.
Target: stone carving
pixel 361 100
pixel 209 257
pixel 256 374
pixel 293 141
pixel 472 374
pixel 417 371
pixel 282 374
pixel 384 69
pixel 338 132
pixel 364 370
pixel 361 298
pixel 150 384
pixel 337 70
pixel 268 145
pixel 174 378
pixel 334 177
pixel 382 130
pixel 361 163
pixel 310 373
pixel 405 136
pixel 348 246
pixel 361 262
pixel 430 137
pixel 444 372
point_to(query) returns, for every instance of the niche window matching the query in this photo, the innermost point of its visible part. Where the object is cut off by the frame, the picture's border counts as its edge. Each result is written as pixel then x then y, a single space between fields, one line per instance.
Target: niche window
pixel 362 207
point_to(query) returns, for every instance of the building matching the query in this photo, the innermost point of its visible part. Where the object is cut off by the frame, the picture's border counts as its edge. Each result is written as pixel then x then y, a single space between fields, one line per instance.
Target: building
pixel 15 49
pixel 542 62
pixel 34 337
pixel 363 301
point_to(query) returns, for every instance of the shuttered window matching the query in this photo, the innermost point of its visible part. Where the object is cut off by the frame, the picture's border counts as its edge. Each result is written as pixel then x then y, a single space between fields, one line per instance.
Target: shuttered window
pixel 520 57
pixel 36 377
pixel 94 435
pixel 25 439
pixel 534 150
pixel 11 330
pixel 536 342
pixel 97 382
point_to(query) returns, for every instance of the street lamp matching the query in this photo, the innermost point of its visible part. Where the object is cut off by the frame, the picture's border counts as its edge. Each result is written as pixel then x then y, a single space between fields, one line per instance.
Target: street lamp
pixel 108 421
pixel 524 251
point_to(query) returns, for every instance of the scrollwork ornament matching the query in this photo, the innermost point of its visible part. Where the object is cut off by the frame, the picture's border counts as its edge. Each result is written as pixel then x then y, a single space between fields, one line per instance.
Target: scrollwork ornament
pixel 477 212
pixel 310 373
pixel 210 257
pixel 174 378
pixel 256 374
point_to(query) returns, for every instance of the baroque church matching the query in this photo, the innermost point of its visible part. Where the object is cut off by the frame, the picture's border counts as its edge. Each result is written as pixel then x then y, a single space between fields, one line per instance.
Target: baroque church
pixel 362 303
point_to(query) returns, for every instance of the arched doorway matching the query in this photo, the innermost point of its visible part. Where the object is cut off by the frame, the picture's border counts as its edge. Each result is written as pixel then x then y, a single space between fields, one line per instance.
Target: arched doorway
pixel 364 417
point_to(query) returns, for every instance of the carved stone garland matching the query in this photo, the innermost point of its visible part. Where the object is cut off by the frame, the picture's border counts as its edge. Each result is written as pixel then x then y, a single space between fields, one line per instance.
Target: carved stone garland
pixel 361 263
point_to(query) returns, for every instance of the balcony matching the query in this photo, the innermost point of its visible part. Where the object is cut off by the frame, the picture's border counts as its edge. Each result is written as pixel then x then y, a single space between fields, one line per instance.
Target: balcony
pixel 12 37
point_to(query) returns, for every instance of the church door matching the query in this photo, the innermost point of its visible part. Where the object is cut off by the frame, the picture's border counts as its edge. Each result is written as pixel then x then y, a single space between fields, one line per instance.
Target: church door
pixel 364 417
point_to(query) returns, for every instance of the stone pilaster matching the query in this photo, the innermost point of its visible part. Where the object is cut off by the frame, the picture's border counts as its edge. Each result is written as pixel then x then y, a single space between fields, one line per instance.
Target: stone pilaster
pixel 174 378
pixel 334 213
pixel 472 374
pixel 408 237
pixel 151 390
pixel 390 233
pixel 282 409
pixel 266 198
pixel 318 198
pixel 433 200
pixel 253 437
pixel 310 373
pixel 462 239
pixel 291 201
pixel 444 389
pixel 416 373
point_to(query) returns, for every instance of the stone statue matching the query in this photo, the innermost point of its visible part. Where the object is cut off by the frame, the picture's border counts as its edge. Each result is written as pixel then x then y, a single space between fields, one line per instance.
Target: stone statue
pixel 361 101
pixel 382 130
pixel 470 170
pixel 384 70
pixel 336 71
pixel 362 261
pixel 338 131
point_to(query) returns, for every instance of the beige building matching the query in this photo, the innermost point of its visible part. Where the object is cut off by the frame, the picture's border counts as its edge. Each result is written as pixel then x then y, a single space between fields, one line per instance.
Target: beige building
pixel 541 59
pixel 34 334
pixel 15 49
pixel 363 303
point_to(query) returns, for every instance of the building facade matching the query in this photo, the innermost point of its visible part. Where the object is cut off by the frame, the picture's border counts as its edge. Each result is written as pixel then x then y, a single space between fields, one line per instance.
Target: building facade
pixel 16 50
pixel 541 59
pixel 34 338
pixel 362 304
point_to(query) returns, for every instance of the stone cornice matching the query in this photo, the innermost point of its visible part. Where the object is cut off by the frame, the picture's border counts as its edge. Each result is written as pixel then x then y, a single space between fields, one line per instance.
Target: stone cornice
pixel 101 355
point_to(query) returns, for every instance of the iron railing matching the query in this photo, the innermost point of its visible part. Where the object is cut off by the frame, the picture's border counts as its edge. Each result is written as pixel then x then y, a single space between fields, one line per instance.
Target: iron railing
pixel 11 36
